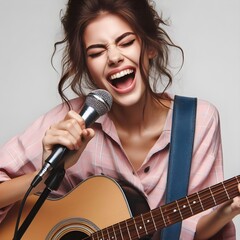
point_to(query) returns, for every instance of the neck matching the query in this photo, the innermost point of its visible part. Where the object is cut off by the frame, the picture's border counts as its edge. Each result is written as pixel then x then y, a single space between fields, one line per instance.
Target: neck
pixel 140 116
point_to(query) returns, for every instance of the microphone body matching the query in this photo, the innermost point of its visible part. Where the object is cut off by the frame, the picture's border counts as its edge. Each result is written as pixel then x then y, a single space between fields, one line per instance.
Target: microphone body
pixel 97 103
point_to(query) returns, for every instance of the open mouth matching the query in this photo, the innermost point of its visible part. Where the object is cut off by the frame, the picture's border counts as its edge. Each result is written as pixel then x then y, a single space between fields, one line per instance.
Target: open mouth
pixel 123 79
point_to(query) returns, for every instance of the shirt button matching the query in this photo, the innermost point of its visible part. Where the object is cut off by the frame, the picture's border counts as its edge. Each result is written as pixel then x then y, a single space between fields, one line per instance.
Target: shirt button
pixel 146 170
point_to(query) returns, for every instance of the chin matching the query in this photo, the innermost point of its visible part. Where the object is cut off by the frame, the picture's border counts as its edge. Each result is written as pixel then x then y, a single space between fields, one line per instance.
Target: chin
pixel 131 99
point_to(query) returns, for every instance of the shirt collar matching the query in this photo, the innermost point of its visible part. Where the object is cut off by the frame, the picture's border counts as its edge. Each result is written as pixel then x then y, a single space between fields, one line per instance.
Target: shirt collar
pixel 164 139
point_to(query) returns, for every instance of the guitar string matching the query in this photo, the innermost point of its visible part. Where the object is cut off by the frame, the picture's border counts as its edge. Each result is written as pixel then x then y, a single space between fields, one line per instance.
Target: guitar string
pixel 204 194
pixel 208 202
pixel 206 197
pixel 186 211
pixel 231 191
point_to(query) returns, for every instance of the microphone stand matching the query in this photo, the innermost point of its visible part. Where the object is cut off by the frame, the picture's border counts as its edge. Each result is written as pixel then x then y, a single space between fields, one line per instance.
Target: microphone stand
pixel 52 183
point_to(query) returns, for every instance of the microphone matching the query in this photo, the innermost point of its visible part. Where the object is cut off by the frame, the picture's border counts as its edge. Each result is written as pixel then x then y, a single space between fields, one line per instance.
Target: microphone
pixel 98 102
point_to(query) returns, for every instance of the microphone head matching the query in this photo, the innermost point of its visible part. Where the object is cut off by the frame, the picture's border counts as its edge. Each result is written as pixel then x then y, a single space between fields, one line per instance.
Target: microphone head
pixel 100 100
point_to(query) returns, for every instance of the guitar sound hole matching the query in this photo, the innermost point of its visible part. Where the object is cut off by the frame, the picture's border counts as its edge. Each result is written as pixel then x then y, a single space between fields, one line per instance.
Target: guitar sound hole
pixel 74 235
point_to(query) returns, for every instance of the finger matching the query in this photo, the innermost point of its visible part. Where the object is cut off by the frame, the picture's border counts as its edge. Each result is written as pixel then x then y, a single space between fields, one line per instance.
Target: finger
pixel 236 204
pixel 87 134
pixel 73 115
pixel 73 128
pixel 60 137
pixel 73 123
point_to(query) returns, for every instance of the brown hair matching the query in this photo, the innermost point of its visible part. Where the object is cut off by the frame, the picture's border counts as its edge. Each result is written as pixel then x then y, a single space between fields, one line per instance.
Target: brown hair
pixel 144 20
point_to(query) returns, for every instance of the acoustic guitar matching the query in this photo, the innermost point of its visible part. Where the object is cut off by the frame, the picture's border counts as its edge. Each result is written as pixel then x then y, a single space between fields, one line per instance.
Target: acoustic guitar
pixel 100 208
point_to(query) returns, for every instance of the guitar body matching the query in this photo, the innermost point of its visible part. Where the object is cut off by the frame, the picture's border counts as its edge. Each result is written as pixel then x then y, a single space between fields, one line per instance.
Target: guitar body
pixel 95 204
pixel 102 209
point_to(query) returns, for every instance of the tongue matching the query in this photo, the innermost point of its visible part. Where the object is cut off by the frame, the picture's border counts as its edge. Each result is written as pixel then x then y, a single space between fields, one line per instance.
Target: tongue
pixel 123 83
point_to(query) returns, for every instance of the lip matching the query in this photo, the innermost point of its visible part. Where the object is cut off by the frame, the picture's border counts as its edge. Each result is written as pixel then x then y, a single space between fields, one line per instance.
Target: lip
pixel 125 90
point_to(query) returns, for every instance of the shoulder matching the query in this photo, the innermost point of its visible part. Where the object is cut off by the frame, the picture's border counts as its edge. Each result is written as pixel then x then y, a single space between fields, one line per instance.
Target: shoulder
pixel 207 129
pixel 38 127
pixel 207 113
pixel 59 111
pixel 73 104
pixel 207 118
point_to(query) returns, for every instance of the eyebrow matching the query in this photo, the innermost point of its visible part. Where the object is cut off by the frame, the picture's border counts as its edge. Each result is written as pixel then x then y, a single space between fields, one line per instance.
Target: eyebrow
pixel 117 40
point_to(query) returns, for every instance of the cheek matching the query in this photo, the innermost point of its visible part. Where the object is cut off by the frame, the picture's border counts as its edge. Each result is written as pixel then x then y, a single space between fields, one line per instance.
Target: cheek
pixel 96 72
pixel 93 70
pixel 133 54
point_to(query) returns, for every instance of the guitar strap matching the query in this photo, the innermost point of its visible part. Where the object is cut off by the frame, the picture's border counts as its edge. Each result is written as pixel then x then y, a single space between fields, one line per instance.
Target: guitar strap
pixel 180 156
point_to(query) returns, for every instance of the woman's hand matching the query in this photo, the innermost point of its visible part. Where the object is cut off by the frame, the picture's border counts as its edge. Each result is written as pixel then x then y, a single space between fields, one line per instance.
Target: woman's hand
pixel 235 206
pixel 71 133
pixel 212 223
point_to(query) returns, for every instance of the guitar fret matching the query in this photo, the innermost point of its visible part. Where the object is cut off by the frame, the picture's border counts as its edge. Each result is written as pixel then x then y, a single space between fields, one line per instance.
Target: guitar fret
pixel 135 224
pixel 220 193
pixel 144 225
pixel 184 207
pixel 194 203
pixel 179 210
pixel 232 189
pixel 164 221
pixel 200 201
pixel 189 205
pixel 120 230
pixel 106 234
pixel 225 190
pixel 114 232
pixel 128 230
pixel 207 199
pixel 135 228
pixel 212 196
pixel 172 213
pixel 149 223
pixel 110 236
pixel 103 235
pixel 155 227
pixel 140 226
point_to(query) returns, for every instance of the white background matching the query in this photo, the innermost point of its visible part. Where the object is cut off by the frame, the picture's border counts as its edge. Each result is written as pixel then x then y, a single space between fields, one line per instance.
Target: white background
pixel 207 30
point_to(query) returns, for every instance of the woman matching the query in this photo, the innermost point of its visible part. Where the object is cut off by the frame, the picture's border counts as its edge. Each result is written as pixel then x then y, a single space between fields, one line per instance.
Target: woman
pixel 119 46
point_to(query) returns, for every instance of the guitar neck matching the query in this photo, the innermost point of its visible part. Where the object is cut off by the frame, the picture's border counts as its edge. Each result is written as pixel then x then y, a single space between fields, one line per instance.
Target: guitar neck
pixel 197 202
pixel 148 223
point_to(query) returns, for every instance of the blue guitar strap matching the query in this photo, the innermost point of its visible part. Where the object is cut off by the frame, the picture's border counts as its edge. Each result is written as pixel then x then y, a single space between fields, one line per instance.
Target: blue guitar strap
pixel 180 156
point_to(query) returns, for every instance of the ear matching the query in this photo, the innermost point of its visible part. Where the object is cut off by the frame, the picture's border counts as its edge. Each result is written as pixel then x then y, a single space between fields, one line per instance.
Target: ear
pixel 151 52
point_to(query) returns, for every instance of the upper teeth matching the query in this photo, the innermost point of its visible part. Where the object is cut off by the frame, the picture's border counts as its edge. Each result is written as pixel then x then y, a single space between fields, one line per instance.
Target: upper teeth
pixel 121 74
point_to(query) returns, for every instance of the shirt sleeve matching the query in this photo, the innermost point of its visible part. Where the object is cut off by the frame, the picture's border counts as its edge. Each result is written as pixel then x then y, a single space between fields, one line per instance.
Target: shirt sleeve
pixel 23 153
pixel 207 164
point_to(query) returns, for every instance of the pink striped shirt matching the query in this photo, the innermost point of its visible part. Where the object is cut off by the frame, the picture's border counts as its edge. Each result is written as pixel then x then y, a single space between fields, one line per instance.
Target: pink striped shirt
pixel 105 155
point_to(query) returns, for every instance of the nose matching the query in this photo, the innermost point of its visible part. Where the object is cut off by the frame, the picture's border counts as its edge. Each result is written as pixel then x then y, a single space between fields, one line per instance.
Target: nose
pixel 114 55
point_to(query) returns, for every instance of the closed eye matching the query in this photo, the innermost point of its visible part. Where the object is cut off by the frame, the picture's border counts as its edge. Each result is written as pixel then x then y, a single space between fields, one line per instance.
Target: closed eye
pixel 129 43
pixel 97 54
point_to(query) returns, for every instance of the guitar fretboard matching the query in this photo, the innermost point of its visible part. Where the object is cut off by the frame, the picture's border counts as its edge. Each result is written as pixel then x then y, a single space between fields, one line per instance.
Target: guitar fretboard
pixel 147 223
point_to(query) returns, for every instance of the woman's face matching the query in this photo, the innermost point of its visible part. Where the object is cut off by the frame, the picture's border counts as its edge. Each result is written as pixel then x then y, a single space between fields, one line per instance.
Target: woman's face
pixel 112 56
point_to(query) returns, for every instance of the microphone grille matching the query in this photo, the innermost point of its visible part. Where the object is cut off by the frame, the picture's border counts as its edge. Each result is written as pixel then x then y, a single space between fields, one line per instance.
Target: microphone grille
pixel 100 100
